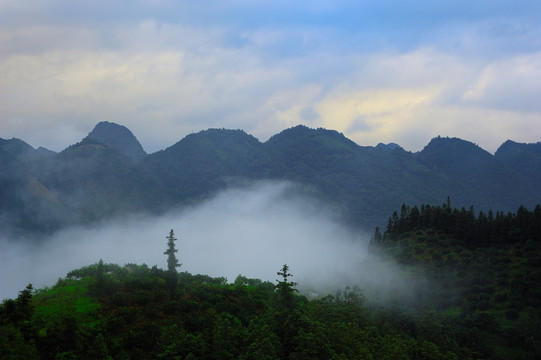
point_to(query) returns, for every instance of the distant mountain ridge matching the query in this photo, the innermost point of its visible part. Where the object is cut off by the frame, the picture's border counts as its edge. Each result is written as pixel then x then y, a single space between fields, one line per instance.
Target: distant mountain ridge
pixel 108 173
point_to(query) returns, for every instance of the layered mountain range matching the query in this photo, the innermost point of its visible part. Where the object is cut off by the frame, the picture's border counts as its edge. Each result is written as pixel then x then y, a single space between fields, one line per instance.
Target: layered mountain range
pixel 109 174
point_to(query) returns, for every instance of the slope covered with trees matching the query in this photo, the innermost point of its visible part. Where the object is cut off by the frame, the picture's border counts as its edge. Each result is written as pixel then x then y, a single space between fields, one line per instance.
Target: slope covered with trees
pixel 480 301
pixel 487 268
pixel 107 311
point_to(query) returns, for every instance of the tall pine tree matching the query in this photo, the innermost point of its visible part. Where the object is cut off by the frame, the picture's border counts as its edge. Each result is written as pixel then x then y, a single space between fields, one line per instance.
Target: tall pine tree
pixel 172 261
pixel 286 288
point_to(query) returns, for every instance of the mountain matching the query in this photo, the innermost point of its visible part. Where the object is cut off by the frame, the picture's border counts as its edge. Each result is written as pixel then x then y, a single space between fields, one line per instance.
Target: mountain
pixel 15 156
pixel 101 177
pixel 363 182
pixel 118 137
pixel 45 151
pixel 94 181
pixel 26 205
pixel 471 174
pixel 522 158
pixel 389 146
pixel 42 191
pixel 206 161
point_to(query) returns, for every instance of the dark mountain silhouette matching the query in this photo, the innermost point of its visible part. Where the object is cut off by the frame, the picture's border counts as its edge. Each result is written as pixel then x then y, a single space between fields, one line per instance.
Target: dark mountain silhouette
pixel 118 137
pixel 15 156
pixel 26 205
pixel 94 180
pixel 97 178
pixel 525 159
pixel 361 181
pixel 472 174
pixel 205 161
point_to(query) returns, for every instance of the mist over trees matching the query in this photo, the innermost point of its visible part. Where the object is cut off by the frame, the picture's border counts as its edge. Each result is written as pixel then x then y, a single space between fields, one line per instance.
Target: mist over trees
pixel 482 303
pixel 241 230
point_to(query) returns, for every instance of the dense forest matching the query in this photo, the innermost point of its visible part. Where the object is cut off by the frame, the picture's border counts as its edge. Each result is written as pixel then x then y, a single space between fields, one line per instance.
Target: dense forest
pixel 487 267
pixel 482 301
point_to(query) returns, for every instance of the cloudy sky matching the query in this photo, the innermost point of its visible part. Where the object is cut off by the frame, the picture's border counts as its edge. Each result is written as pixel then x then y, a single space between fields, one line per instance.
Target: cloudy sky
pixel 379 71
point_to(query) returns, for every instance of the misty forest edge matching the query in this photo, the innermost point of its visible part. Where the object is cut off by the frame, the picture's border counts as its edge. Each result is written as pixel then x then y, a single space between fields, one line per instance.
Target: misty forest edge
pixel 482 304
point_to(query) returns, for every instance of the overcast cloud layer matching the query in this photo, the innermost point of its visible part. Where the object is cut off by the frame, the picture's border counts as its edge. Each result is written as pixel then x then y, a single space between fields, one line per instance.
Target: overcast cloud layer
pixel 385 71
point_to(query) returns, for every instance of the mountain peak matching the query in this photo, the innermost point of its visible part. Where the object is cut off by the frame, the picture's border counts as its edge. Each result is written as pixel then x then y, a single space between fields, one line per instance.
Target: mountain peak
pixel 388 147
pixel 117 137
pixel 454 147
pixel 511 148
pixel 302 130
pixel 446 152
pixel 301 134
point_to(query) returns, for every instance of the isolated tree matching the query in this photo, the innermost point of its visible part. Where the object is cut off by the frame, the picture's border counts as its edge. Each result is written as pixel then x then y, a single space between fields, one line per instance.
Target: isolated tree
pixel 286 288
pixel 172 261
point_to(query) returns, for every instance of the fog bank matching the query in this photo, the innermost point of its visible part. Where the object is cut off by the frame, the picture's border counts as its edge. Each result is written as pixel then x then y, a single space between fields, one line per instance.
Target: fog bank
pixel 251 231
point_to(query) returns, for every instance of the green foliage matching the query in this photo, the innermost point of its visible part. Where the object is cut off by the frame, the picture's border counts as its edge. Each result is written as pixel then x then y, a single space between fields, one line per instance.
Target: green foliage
pixel 172 261
pixel 285 288
pixel 205 318
pixel 486 269
pixel 482 303
pixel 464 226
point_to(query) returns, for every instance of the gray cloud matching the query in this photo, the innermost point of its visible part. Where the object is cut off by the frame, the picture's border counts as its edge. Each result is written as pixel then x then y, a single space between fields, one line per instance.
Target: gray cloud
pixel 165 69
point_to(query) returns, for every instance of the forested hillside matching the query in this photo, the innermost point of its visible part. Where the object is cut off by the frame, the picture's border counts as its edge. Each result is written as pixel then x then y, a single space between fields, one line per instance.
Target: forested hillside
pixel 481 301
pixel 487 267
pixel 108 174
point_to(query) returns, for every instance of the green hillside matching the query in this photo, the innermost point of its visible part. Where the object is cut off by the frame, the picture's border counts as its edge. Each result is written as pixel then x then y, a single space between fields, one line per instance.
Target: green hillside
pixel 487 269
pixel 480 300
pixel 132 314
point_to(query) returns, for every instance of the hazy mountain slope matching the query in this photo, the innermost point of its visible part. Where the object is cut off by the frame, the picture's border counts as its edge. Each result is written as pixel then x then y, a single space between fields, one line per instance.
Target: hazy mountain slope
pixel 16 156
pixel 92 180
pixel 26 205
pixel 472 176
pixel 368 183
pixel 45 151
pixel 118 137
pixel 206 161
pixel 525 159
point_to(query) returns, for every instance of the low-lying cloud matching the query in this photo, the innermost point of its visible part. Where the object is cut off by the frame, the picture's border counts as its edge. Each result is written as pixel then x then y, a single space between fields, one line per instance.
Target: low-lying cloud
pixel 251 231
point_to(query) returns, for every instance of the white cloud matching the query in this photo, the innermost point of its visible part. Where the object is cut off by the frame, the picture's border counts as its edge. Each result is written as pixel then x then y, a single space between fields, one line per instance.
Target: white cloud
pixel 165 70
pixel 250 231
pixel 509 84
